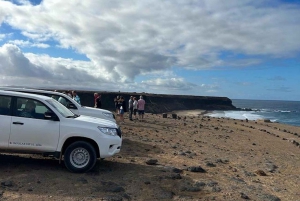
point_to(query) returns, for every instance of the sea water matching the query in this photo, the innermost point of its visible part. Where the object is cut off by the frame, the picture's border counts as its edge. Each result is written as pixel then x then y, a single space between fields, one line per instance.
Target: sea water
pixel 286 112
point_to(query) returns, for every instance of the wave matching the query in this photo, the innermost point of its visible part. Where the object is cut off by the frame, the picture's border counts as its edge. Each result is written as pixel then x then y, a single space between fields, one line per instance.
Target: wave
pixel 250 115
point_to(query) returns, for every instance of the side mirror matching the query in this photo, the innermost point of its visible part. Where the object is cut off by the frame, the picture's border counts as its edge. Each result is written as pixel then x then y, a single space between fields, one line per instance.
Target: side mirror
pixel 50 116
pixel 71 106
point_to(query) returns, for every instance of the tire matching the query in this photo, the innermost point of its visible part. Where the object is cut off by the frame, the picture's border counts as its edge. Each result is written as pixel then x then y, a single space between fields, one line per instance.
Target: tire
pixel 80 157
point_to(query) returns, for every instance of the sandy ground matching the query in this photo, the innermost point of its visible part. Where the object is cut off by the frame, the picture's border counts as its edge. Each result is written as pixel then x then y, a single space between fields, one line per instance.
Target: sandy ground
pixel 192 158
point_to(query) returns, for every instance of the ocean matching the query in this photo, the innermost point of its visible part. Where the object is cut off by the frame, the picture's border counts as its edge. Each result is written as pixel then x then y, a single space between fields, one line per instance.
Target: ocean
pixel 286 112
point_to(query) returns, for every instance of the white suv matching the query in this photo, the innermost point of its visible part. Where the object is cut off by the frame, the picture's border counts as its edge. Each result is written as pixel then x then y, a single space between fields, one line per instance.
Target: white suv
pixel 68 102
pixel 39 124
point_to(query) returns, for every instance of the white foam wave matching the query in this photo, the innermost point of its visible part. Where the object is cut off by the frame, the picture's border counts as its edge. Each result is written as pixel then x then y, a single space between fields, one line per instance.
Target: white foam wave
pixel 236 115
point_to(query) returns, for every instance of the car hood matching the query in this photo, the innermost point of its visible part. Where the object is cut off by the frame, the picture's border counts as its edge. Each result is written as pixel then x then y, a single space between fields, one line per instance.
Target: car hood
pixel 96 109
pixel 98 121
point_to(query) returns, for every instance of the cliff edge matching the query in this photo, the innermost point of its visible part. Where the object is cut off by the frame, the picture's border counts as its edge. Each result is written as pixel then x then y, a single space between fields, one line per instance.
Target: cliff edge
pixel 160 103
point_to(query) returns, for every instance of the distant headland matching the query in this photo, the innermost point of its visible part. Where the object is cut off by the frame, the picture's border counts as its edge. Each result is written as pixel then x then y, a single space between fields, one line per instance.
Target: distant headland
pixel 160 103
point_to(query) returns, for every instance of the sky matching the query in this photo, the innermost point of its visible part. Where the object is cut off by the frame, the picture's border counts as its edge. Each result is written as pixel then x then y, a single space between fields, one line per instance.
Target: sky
pixel 240 49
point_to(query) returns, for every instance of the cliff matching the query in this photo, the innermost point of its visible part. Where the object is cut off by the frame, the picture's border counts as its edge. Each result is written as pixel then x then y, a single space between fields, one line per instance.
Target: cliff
pixel 159 103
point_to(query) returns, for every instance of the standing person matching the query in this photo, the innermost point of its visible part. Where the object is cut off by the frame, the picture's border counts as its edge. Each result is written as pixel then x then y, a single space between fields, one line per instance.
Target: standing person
pixel 130 106
pixel 141 107
pixel 76 97
pixel 69 93
pixel 117 105
pixel 122 103
pixel 98 103
pixel 121 112
pixel 135 105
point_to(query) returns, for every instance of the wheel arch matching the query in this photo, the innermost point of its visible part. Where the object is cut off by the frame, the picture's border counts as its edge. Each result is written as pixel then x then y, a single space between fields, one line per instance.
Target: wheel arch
pixel 70 140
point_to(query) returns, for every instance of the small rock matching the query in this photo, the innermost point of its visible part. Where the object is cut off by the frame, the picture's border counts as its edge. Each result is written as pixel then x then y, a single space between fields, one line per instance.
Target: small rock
pixel 176 170
pixel 200 184
pixel 210 164
pixel 268 197
pixel 212 183
pixel 196 169
pixel 117 189
pixel 244 196
pixel 192 189
pixel 260 173
pixel 151 162
pixel 7 183
pixel 216 189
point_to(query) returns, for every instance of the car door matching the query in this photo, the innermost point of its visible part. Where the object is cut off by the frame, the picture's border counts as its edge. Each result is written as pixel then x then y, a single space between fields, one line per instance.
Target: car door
pixel 5 120
pixel 30 130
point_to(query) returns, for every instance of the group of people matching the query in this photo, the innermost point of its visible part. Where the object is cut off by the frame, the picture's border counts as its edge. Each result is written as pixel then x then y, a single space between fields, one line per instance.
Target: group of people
pixel 134 107
pixel 71 94
pixel 74 96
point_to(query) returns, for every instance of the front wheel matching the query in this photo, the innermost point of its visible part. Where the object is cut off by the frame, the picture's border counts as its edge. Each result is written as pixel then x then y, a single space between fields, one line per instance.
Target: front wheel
pixel 80 157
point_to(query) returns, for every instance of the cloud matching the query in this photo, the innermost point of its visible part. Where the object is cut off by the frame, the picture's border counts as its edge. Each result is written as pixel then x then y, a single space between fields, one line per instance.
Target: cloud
pixel 29 69
pixel 22 43
pixel 169 84
pixel 177 85
pixel 281 89
pixel 37 37
pixel 124 39
pixel 2 36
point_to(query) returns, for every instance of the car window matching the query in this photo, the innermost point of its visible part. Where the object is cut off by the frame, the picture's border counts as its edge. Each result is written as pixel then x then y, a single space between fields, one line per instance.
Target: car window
pixel 60 108
pixel 62 100
pixel 5 102
pixel 58 98
pixel 30 108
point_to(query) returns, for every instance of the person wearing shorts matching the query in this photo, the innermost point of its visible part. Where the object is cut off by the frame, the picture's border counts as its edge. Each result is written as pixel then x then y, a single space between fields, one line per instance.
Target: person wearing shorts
pixel 141 108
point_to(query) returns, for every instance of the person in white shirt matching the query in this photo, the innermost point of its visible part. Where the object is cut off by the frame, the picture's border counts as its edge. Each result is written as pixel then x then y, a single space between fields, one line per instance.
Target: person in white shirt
pixel 141 108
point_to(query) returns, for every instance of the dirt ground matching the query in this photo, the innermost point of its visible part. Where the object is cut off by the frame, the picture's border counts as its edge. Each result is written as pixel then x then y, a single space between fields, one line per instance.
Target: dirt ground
pixel 190 157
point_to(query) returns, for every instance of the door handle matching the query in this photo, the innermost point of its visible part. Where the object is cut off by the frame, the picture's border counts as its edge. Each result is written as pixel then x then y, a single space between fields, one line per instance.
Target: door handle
pixel 18 123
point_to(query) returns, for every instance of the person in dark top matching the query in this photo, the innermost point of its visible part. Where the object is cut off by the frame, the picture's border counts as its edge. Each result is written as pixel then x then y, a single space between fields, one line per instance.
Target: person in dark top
pixel 122 103
pixel 98 103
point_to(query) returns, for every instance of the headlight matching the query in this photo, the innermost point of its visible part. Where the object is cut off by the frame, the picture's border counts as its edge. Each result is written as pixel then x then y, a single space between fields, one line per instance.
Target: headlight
pixel 108 131
pixel 109 115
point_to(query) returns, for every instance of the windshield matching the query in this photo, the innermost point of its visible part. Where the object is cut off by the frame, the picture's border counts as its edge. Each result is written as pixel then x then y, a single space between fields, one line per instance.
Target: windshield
pixel 60 108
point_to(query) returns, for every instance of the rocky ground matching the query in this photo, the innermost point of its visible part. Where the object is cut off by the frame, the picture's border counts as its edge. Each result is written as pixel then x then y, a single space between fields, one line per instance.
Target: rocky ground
pixel 191 157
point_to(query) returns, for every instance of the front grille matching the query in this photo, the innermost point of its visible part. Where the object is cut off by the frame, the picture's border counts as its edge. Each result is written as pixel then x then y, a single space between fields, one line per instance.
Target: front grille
pixel 119 131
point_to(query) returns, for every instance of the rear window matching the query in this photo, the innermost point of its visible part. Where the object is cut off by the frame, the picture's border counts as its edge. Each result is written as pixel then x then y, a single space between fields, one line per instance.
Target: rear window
pixel 5 102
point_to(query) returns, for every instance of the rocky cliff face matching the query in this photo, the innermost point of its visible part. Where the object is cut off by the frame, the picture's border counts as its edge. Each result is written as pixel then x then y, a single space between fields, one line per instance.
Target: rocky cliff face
pixel 159 103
